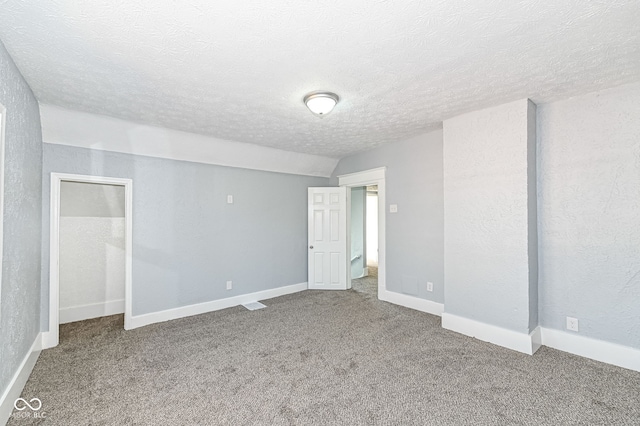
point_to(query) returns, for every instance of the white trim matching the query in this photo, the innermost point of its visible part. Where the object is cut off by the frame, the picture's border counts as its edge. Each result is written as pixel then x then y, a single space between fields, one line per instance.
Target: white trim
pixel 19 379
pixel 50 338
pixel 362 178
pixel 423 305
pixel 510 339
pixel 93 310
pixel 3 121
pixel 365 271
pixel 213 305
pixel 63 126
pixel 536 339
pixel 599 350
pixel 367 178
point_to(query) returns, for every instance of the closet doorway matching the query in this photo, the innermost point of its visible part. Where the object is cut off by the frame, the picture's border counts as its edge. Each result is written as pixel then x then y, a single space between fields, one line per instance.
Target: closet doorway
pixel 90 250
pixel 368 179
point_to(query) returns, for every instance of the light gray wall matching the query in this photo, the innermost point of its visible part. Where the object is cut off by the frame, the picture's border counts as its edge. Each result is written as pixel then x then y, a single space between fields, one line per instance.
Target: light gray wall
pixel 187 241
pixel 358 231
pixel 532 231
pixel 20 293
pixel 487 219
pixel 415 234
pixel 79 199
pixel 92 261
pixel 589 214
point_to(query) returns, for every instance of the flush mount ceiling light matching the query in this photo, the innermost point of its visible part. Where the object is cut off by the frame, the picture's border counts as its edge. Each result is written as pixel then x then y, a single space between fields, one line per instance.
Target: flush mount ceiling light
pixel 321 103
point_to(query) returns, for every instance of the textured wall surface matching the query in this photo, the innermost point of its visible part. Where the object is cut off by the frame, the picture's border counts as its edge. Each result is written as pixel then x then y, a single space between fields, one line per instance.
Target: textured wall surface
pixel 532 229
pixel 487 219
pixel 80 199
pixel 358 231
pixel 239 70
pixel 187 241
pixel 20 293
pixel 589 208
pixel 414 234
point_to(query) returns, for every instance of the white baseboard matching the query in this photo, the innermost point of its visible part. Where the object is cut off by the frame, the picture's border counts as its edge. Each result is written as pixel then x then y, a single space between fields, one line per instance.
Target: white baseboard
pixel 599 350
pixel 19 379
pixel 521 342
pixel 214 305
pixel 536 339
pixel 412 302
pixel 49 339
pixel 94 310
pixel 365 272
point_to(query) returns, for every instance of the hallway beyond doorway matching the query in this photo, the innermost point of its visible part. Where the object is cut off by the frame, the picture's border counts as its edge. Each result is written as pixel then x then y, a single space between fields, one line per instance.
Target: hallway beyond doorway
pixel 367 284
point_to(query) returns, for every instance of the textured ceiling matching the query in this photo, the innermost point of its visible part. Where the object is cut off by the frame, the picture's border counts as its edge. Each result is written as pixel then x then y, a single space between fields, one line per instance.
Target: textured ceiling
pixel 238 70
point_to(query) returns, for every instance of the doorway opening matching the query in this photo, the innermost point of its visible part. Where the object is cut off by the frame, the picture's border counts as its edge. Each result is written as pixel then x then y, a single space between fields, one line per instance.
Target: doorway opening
pixel 360 181
pixel 90 250
pixel 364 239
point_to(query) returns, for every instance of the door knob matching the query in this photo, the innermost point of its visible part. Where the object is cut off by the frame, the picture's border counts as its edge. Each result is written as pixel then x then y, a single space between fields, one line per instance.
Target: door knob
pixel 311 247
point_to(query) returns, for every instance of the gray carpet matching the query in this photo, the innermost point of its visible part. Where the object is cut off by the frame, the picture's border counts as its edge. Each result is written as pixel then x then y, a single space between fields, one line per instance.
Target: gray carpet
pixel 317 358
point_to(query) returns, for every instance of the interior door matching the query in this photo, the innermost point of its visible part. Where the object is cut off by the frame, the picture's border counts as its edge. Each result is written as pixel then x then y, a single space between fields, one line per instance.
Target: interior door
pixel 328 238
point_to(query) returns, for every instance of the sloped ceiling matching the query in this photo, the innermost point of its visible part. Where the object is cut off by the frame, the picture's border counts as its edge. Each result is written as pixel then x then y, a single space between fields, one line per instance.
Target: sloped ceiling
pixel 238 70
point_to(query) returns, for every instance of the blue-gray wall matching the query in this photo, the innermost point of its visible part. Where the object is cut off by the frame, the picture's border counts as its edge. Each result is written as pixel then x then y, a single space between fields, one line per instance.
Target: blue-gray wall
pixel 488 216
pixel 187 241
pixel 589 214
pixel 415 234
pixel 588 186
pixel 20 293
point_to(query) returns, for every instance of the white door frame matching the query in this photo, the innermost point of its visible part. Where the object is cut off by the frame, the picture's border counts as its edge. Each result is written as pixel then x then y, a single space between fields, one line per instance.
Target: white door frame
pixel 51 338
pixel 367 178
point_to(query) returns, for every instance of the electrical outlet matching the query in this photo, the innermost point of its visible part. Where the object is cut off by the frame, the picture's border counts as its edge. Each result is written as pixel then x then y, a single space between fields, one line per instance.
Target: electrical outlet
pixel 393 208
pixel 229 285
pixel 572 324
pixel 429 286
pixel 229 199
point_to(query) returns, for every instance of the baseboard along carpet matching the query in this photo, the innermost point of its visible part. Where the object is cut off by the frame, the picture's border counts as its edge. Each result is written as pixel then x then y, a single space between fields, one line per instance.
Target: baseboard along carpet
pixel 316 358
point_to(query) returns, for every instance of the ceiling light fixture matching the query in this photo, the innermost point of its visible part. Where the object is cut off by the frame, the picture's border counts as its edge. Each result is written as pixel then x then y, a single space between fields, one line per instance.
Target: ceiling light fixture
pixel 321 103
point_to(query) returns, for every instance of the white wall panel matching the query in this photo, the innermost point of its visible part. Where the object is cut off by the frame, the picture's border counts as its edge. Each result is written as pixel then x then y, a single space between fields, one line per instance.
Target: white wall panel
pixel 92 260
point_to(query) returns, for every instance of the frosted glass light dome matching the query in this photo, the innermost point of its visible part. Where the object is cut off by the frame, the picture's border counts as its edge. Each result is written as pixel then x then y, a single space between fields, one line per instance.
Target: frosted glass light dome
pixel 321 103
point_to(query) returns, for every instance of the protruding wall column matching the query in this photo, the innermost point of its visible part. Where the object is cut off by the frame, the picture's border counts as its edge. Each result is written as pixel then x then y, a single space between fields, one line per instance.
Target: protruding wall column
pixel 490 231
